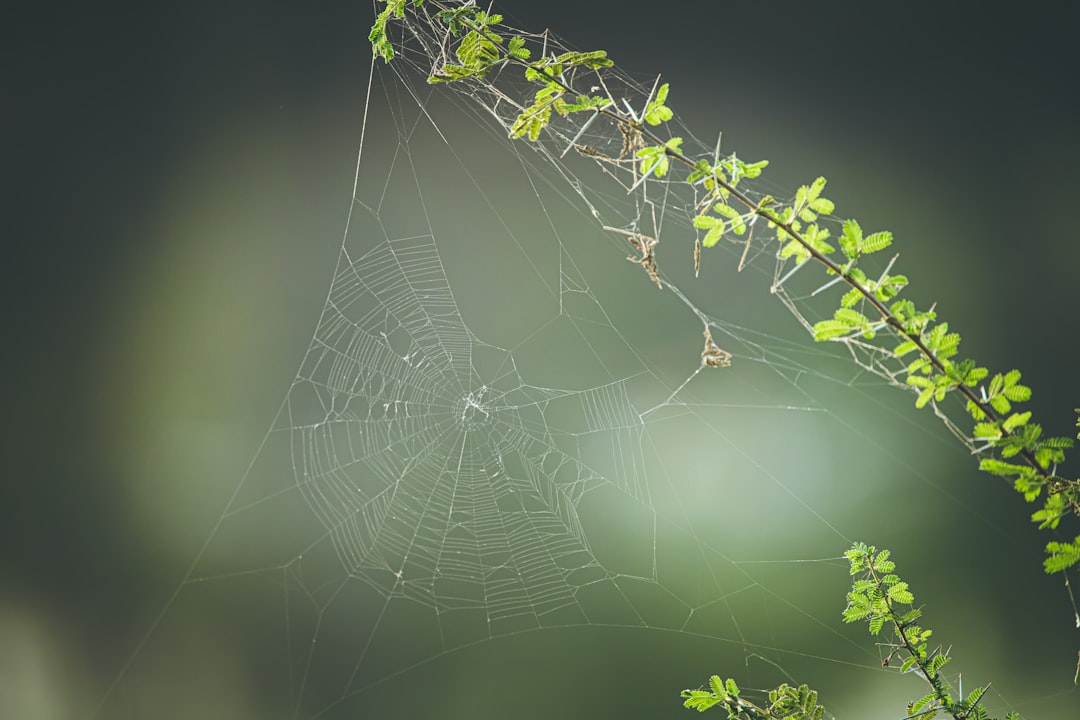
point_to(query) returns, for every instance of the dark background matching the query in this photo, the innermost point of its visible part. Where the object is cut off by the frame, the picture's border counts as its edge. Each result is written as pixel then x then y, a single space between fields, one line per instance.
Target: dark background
pixel 169 167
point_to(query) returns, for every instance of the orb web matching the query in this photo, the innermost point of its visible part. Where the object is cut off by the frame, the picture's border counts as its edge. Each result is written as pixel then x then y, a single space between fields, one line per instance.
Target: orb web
pixel 435 469
pixel 488 421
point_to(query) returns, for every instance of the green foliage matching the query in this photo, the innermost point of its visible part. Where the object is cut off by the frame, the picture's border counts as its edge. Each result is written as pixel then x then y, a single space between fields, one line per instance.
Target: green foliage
pixel 846 322
pixel 716 179
pixel 548 73
pixel 479 49
pixel 516 49
pixel 797 242
pixel 654 159
pixel 809 203
pixel 795 703
pixel 720 692
pixel 380 43
pixel 657 112
pixel 881 599
pixel 870 307
pixel 854 245
pixel 1052 512
pixel 714 225
pixel 912 322
pixel 535 118
pixel 1062 555
pixel 784 702
pixel 461 18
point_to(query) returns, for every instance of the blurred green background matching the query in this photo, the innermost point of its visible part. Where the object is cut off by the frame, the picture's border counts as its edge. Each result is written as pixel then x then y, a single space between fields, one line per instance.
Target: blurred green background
pixel 180 179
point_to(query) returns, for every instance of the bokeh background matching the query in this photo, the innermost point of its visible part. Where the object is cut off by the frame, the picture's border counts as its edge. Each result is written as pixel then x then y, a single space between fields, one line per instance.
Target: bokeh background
pixel 178 180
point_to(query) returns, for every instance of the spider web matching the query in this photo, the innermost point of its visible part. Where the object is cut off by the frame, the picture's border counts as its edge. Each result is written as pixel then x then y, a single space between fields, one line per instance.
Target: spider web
pixel 452 481
pixel 501 426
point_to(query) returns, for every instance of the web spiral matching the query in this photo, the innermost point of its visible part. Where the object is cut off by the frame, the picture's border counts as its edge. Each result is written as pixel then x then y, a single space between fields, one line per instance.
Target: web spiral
pixel 437 472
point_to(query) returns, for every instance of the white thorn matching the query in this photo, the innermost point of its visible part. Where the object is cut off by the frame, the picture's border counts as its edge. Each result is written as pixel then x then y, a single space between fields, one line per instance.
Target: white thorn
pixel 776 285
pixel 580 133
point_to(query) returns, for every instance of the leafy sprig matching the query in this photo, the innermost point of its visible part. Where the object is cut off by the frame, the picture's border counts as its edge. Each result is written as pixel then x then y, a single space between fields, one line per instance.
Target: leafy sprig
pixel 480 47
pixel 654 159
pixel 785 702
pixel 656 112
pixel 380 42
pixel 881 599
pixel 548 73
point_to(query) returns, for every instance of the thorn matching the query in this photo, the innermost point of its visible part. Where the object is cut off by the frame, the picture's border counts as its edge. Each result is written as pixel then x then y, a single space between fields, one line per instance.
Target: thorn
pixel 643 178
pixel 886 270
pixel 827 285
pixel 580 133
pixel 776 285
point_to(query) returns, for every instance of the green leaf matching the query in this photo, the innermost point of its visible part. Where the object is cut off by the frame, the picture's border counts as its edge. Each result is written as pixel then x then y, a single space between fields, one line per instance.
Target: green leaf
pixel 904 348
pixel 919 364
pixel 584 102
pixel 738 221
pixel 714 226
pixel 1000 404
pixel 656 112
pixel 1029 488
pixel 594 59
pixel 795 249
pixel 750 170
pixel 815 189
pixel 1017 393
pixel 875 242
pixel 975 375
pixel 380 43
pixel 727 211
pixel 516 48
pixel 536 117
pixel 899 593
pixel 851 298
pixel 853 318
pixel 654 159
pixel 815 236
pixel 830 330
pixel 936 663
pixel 882 563
pixel 1015 420
pixel 997 467
pixel 1063 555
pixel 890 286
pixel 1052 512
pixel 851 239
pixel 700 172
